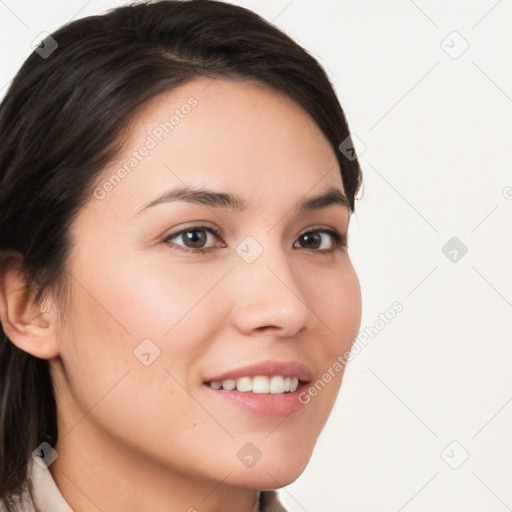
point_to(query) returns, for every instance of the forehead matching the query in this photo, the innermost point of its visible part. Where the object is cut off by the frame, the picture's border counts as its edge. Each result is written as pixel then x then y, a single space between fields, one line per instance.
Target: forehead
pixel 230 134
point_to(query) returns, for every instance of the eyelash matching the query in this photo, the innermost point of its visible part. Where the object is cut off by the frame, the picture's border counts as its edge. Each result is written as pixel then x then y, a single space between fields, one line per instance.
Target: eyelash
pixel 339 240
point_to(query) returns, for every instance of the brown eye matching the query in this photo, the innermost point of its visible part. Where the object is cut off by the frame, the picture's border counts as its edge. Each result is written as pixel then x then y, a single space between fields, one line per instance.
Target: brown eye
pixel 311 240
pixel 195 239
pixel 318 240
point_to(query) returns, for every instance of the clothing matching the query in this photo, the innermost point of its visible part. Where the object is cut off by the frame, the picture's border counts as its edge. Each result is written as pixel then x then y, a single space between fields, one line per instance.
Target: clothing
pixel 44 495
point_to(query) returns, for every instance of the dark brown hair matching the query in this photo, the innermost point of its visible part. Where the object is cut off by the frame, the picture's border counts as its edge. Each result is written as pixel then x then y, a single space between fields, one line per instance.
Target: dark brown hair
pixel 62 121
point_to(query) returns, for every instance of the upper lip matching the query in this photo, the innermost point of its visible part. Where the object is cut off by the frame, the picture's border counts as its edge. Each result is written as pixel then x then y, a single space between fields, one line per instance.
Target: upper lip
pixel 269 369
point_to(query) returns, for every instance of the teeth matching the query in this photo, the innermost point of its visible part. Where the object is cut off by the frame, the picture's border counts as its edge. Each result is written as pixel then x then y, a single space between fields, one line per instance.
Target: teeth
pixel 275 385
pixel 260 384
pixel 229 384
pixel 244 384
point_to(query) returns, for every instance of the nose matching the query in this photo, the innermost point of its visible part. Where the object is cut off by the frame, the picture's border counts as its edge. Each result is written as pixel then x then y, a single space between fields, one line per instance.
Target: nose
pixel 268 295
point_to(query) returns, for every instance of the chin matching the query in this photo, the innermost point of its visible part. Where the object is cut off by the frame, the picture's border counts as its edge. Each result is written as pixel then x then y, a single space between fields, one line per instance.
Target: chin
pixel 272 473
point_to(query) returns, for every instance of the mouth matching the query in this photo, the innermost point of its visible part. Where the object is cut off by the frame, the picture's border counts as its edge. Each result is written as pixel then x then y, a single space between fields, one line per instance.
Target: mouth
pixel 271 388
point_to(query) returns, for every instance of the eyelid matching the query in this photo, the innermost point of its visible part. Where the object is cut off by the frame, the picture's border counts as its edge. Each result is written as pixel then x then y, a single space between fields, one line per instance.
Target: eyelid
pixel 197 226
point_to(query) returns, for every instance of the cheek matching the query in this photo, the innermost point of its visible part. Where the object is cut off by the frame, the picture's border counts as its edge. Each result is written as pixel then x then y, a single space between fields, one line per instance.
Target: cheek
pixel 120 317
pixel 340 309
pixel 152 300
pixel 336 300
pixel 144 405
pixel 179 308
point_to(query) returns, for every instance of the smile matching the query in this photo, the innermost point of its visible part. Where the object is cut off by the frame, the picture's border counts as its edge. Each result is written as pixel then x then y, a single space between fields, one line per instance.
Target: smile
pixel 267 388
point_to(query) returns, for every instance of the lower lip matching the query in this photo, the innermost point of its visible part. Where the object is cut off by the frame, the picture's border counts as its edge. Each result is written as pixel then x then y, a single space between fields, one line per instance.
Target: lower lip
pixel 262 404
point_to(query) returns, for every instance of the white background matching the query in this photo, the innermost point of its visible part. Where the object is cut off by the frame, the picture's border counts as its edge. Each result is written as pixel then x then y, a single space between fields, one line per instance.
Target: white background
pixel 436 136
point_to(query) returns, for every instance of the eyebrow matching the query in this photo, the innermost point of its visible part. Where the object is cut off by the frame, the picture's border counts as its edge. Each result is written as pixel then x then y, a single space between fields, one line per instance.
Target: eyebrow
pixel 332 196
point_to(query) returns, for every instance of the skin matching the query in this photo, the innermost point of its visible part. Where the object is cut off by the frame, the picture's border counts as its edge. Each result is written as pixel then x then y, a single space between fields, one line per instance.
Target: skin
pixel 153 433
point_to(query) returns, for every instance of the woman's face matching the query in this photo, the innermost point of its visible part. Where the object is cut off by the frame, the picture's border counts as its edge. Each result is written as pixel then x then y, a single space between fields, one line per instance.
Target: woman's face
pixel 162 306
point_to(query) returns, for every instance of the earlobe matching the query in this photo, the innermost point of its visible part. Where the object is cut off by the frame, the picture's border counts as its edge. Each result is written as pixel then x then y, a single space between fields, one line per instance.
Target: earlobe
pixel 28 325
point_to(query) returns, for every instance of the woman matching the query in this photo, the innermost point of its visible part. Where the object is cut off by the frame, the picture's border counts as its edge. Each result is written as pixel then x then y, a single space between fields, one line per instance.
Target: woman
pixel 175 285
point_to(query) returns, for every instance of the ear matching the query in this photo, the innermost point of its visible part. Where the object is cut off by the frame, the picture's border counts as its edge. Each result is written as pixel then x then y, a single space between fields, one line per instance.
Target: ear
pixel 29 326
